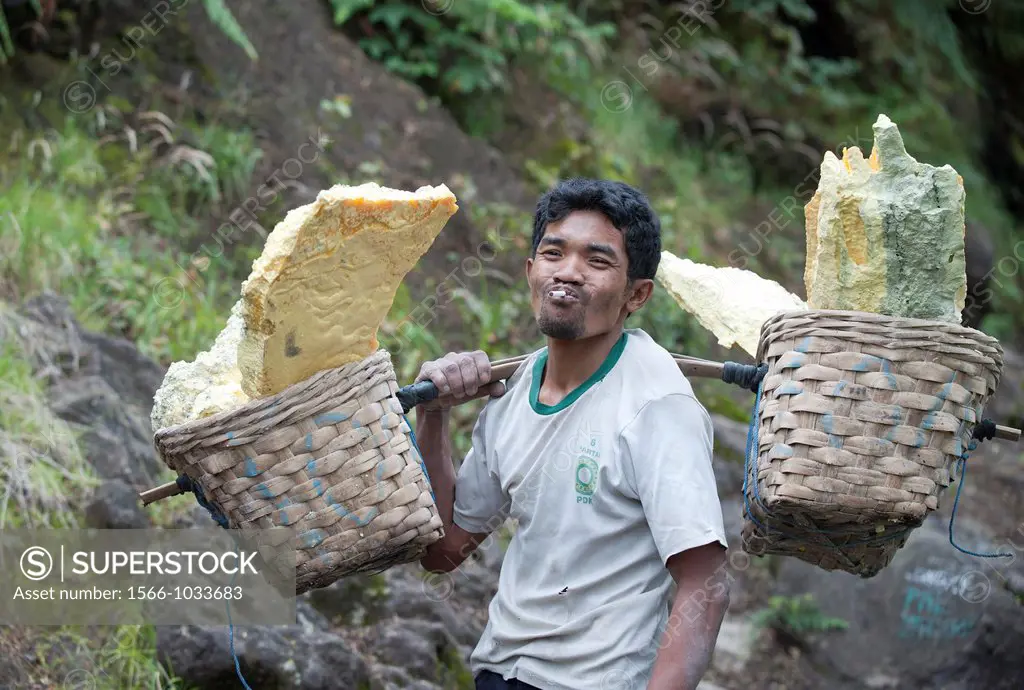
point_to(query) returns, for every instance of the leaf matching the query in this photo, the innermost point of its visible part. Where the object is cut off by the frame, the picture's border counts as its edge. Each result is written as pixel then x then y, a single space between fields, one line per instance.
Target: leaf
pixel 7 47
pixel 222 17
pixel 345 9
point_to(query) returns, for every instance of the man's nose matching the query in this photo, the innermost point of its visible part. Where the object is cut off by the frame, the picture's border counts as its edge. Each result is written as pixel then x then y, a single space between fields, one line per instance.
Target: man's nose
pixel 569 270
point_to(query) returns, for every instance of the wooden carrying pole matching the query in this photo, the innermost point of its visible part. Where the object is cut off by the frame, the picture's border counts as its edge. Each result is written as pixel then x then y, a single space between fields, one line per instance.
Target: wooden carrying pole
pixel 504 368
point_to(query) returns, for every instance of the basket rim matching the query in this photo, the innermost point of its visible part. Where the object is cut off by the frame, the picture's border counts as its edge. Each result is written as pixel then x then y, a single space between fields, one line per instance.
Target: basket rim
pixel 866 316
pixel 201 424
pixel 880 318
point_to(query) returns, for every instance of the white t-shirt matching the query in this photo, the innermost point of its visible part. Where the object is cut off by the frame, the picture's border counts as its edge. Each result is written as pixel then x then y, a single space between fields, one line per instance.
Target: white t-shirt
pixel 605 485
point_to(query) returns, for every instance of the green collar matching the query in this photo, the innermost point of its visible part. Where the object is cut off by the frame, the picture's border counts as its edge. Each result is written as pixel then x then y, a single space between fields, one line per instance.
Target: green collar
pixel 602 371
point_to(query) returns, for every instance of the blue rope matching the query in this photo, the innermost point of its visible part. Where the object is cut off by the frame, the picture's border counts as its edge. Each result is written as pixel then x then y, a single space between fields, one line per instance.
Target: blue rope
pixel 186 484
pixel 231 635
pixel 423 466
pixel 962 466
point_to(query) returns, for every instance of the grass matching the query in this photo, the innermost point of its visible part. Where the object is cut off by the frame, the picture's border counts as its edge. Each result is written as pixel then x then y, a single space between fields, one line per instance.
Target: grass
pixel 106 658
pixel 66 225
pixel 42 469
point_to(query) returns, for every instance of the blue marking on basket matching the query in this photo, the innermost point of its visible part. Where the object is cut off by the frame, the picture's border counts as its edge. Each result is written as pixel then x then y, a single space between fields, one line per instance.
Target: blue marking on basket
pixel 828 424
pixel 750 472
pixel 311 466
pixel 330 418
pixel 263 490
pixel 794 362
pixel 251 470
pixel 356 424
pixel 281 515
pixel 230 438
pixel 344 512
pixel 312 538
pixel 309 441
pixel 789 388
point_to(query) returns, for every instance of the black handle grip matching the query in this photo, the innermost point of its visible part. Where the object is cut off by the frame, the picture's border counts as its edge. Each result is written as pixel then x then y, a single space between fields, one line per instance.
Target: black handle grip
pixel 416 394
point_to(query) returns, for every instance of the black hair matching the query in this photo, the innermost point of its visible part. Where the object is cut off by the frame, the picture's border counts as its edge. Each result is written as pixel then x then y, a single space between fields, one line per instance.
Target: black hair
pixel 626 207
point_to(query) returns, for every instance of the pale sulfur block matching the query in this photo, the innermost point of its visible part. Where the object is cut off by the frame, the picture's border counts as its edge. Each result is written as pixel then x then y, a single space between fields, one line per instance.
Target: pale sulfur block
pixel 211 383
pixel 732 303
pixel 314 300
pixel 327 278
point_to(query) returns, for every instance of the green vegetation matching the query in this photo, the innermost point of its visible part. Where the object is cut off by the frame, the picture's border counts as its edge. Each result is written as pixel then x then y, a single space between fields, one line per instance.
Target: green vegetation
pixel 110 659
pixel 42 470
pixel 795 616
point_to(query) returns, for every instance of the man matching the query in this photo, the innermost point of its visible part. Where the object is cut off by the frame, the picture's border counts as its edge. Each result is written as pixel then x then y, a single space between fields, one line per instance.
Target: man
pixel 601 452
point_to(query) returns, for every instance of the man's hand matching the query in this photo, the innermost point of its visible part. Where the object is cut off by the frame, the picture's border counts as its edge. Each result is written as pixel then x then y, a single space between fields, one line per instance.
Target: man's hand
pixel 459 377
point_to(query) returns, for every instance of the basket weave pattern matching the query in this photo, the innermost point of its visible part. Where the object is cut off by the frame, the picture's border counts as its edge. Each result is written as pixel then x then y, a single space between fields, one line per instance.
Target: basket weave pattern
pixel 330 458
pixel 862 417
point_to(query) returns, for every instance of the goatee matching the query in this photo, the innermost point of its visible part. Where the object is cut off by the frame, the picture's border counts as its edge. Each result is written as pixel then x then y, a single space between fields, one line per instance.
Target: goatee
pixel 561 329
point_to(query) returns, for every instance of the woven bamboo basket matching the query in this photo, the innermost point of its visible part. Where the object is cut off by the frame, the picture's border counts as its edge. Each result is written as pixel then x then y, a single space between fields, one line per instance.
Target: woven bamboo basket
pixel 331 459
pixel 859 423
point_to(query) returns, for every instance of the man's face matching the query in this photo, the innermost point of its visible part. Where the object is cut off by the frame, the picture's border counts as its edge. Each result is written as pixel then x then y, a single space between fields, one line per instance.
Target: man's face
pixel 584 256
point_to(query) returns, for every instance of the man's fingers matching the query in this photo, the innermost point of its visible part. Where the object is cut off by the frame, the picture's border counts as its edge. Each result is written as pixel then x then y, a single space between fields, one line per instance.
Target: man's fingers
pixel 470 375
pixel 453 377
pixel 497 389
pixel 483 366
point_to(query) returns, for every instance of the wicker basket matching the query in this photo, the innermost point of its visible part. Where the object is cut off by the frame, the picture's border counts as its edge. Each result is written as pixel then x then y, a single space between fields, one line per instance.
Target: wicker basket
pixel 329 458
pixel 859 422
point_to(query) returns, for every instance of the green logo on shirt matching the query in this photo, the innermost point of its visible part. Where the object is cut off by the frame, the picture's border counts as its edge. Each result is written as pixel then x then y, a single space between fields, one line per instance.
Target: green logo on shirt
pixel 586 479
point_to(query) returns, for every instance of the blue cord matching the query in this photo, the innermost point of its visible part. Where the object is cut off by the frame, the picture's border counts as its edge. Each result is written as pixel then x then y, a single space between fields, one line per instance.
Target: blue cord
pixel 423 466
pixel 231 634
pixel 962 465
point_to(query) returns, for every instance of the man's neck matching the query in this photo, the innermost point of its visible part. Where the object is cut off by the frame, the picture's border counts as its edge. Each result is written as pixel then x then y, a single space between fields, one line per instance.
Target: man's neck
pixel 571 362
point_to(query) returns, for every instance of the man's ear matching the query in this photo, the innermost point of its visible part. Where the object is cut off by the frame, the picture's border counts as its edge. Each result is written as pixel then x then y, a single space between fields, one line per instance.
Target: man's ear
pixel 639 292
pixel 529 267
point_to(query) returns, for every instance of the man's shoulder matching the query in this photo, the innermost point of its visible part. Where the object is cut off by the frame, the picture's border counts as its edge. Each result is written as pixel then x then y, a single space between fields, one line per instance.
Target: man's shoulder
pixel 650 369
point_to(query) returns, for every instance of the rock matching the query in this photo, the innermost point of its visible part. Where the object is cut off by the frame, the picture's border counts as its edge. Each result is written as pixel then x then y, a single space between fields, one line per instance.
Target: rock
pixel 301 657
pixel 735 645
pixel 412 596
pixel 102 386
pixel 61 348
pixel 423 649
pixel 115 505
pixel 932 616
pixel 89 402
pixel 886 235
pixel 353 600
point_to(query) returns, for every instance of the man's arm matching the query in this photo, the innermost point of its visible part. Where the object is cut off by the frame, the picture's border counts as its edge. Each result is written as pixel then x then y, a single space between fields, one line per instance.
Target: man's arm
pixel 702 597
pixel 434 439
pixel 458 377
